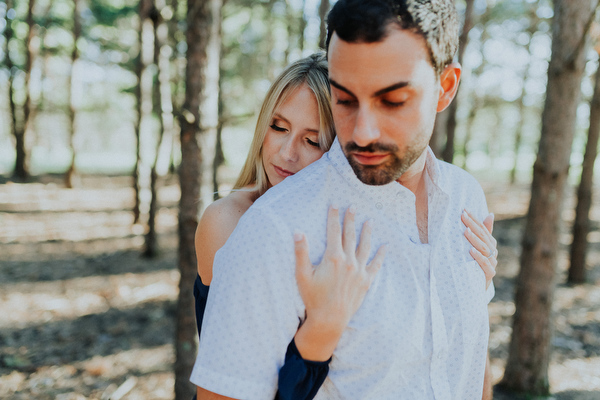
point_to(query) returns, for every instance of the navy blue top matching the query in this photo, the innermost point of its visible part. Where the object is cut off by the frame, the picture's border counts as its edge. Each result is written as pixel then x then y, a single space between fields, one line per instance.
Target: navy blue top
pixel 299 379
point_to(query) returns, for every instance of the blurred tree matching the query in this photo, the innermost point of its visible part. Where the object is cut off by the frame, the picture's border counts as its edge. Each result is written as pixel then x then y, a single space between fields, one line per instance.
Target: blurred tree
pixel 581 226
pixel 16 128
pixel 533 25
pixel 529 351
pixel 72 107
pixel 143 94
pixel 448 153
pixel 323 10
pixel 161 102
pixel 199 15
pixel 219 156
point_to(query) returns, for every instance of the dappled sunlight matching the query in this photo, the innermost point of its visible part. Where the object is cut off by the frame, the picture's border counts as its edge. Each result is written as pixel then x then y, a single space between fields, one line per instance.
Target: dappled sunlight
pixel 32 302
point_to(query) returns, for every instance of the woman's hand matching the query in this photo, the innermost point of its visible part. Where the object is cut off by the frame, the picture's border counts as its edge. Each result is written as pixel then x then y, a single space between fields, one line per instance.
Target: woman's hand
pixel 334 290
pixel 484 245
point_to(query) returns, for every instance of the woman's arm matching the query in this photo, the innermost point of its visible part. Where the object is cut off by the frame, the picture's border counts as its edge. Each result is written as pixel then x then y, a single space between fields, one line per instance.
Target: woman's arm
pixel 299 379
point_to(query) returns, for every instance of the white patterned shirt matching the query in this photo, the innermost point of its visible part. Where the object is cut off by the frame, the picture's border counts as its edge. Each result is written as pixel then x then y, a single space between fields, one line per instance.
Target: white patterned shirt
pixel 422 330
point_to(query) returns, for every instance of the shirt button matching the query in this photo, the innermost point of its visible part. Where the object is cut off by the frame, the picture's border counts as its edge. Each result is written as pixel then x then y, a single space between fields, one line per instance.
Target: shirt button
pixel 379 206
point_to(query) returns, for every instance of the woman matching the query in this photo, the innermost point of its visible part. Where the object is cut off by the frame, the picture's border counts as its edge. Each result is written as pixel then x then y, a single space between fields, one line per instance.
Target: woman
pixel 294 129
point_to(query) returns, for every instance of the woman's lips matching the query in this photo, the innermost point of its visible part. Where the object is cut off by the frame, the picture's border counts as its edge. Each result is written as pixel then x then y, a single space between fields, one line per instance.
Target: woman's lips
pixel 369 158
pixel 283 172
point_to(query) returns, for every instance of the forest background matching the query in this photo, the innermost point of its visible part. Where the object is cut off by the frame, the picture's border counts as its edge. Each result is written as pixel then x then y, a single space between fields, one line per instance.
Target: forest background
pixel 96 96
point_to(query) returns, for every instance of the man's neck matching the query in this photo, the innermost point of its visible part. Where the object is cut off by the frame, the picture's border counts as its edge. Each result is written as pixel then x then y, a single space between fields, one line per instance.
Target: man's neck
pixel 411 179
pixel 414 180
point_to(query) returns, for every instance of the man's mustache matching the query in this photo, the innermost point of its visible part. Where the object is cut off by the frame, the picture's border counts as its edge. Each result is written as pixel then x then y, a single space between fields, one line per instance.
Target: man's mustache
pixel 371 148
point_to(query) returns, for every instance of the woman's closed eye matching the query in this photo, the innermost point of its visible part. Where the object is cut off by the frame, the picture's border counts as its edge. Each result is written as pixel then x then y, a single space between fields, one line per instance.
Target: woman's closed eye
pixel 312 143
pixel 277 128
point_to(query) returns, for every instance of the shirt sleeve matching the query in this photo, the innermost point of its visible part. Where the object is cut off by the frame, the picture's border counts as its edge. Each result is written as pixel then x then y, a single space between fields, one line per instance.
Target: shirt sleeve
pixel 252 313
pixel 300 379
pixel 200 297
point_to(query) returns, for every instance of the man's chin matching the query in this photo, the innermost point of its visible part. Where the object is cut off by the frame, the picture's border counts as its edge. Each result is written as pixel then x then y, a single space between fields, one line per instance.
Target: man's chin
pixel 374 175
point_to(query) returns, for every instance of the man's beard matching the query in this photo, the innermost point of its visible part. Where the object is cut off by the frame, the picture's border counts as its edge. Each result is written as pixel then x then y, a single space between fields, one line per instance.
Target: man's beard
pixel 386 172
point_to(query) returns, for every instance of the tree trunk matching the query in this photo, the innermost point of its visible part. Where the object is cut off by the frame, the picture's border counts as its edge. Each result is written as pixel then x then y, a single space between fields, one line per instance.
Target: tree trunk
pixel 520 103
pixel 581 227
pixel 151 243
pixel 219 158
pixel 529 351
pixel 20 170
pixel 72 110
pixel 323 10
pixel 190 175
pixel 448 153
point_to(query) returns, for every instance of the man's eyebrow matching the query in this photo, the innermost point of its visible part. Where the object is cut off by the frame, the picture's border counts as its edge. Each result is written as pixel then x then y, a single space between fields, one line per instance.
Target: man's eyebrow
pixel 385 90
pixel 340 87
pixel 391 88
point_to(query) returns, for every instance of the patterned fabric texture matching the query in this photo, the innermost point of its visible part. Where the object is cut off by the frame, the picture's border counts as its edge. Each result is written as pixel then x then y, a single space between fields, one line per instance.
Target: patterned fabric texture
pixel 422 330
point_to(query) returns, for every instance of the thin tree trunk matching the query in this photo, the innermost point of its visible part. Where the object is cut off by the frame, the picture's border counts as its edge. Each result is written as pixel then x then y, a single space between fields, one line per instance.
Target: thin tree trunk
pixel 72 109
pixel 21 169
pixel 477 104
pixel 581 227
pixel 219 158
pixel 190 176
pixel 302 28
pixel 15 128
pixel 519 130
pixel 323 10
pixel 520 103
pixel 529 351
pixel 151 244
pixel 448 153
pixel 142 174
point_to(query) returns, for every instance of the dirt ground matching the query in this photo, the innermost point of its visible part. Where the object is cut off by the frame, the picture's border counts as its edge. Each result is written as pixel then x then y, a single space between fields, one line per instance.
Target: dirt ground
pixel 83 316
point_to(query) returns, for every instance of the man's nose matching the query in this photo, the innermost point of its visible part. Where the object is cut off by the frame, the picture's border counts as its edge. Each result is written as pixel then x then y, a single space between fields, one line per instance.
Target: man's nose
pixel 289 150
pixel 366 129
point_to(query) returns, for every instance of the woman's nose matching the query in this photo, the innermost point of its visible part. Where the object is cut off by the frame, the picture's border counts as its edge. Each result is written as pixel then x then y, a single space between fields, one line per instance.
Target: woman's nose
pixel 289 149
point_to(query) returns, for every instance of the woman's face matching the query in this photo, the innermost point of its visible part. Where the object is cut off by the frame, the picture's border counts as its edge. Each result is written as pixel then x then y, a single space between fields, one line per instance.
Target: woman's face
pixel 292 139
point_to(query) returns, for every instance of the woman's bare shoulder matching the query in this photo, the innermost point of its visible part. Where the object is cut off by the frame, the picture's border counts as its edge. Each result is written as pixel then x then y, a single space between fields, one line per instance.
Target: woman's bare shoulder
pixel 216 225
pixel 229 209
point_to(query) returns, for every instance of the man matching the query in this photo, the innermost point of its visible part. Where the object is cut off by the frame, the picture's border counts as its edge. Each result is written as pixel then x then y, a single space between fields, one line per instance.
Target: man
pixel 421 331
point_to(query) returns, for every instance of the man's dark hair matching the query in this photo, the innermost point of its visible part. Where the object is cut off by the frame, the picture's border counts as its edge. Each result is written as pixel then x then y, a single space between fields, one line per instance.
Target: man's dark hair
pixel 368 21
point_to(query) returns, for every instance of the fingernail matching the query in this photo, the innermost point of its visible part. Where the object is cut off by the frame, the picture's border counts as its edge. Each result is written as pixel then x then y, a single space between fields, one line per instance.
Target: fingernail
pixel 298 236
pixel 464 213
pixel 352 209
pixel 335 206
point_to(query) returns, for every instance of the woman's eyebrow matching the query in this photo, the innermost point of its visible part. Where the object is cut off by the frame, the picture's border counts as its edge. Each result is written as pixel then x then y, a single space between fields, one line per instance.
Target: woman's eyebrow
pixel 281 117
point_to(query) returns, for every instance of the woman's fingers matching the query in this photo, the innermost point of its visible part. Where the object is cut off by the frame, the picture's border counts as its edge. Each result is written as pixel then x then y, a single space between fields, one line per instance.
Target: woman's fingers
pixel 478 244
pixel 334 230
pixel 364 246
pixel 478 235
pixel 486 264
pixel 375 265
pixel 488 222
pixel 349 235
pixel 304 268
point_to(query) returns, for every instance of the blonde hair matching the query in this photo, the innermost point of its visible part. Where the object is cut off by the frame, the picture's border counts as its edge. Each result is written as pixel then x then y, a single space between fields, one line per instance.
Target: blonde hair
pixel 312 71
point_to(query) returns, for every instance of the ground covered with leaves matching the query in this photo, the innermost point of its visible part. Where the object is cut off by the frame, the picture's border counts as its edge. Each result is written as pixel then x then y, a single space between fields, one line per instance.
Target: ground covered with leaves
pixel 85 317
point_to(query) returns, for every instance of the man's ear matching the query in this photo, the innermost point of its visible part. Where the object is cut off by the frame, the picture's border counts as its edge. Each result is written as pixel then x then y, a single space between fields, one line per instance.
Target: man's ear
pixel 449 79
